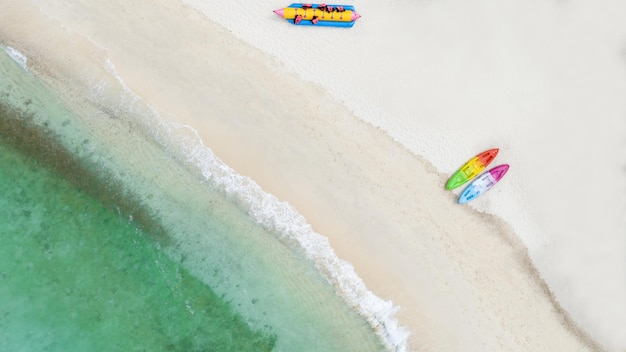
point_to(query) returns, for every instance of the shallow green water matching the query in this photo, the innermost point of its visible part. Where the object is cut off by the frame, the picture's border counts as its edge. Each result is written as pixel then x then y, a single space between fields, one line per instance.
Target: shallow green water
pixel 75 275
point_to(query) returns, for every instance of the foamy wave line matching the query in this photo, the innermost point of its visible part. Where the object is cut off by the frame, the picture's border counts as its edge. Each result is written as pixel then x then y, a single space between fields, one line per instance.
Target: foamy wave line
pixel 290 225
pixel 18 57
pixel 274 215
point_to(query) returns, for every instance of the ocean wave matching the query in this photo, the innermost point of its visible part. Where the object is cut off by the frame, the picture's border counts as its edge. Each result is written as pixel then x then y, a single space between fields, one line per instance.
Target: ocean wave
pixel 274 215
pixel 18 57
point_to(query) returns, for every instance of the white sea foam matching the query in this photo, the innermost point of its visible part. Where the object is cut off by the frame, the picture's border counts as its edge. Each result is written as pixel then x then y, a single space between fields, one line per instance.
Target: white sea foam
pixel 18 57
pixel 278 217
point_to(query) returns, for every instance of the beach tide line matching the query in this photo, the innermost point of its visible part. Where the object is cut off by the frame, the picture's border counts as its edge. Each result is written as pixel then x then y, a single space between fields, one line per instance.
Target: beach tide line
pixel 291 226
pixel 277 216
pixel 18 57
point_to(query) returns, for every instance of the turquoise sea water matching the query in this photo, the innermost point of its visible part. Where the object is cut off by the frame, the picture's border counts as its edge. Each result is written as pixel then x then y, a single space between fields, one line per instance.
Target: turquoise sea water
pixel 109 242
pixel 78 276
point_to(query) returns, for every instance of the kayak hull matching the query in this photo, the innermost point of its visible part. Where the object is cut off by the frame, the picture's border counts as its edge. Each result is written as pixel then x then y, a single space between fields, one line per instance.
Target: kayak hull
pixel 483 183
pixel 471 169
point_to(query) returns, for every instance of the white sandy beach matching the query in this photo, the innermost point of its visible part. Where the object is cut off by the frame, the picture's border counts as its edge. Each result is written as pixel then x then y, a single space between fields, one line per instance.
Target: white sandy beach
pixel 359 129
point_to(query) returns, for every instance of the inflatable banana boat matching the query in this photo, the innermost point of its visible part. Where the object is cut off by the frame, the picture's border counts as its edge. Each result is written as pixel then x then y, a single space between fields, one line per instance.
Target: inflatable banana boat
pixel 319 15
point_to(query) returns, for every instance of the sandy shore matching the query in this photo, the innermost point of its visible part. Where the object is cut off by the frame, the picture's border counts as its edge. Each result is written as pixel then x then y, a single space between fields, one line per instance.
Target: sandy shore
pixel 544 81
pixel 462 279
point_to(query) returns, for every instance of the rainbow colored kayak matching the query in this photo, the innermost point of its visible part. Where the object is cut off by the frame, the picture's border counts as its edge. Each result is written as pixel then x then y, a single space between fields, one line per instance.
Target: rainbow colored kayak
pixel 319 15
pixel 472 168
pixel 483 183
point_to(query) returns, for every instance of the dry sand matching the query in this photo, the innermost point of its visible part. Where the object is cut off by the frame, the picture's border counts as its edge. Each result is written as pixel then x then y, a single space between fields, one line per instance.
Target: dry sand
pixel 462 279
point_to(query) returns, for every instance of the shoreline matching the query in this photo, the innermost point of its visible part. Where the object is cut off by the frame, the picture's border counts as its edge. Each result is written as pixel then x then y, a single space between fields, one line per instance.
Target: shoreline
pixel 327 170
